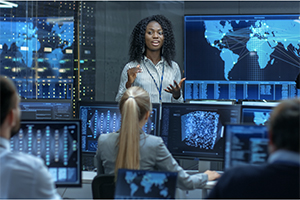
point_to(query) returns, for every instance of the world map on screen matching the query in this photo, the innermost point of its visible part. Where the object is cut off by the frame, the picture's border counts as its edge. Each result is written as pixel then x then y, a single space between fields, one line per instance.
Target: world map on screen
pixel 260 38
pixel 45 43
pixel 260 118
pixel 148 182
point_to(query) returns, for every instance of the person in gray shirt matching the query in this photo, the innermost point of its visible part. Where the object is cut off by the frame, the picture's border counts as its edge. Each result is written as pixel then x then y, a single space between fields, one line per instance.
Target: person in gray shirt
pixel 132 148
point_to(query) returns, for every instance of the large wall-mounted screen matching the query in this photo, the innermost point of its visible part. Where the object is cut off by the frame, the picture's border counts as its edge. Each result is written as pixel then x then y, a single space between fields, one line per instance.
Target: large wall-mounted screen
pixel 241 56
pixel 37 53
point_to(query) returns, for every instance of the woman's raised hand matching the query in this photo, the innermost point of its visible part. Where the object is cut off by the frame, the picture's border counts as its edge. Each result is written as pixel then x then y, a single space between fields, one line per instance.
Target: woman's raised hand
pixel 131 74
pixel 175 90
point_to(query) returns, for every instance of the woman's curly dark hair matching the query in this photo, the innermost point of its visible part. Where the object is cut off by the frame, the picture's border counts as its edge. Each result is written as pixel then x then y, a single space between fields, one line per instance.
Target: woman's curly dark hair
pixel 137 39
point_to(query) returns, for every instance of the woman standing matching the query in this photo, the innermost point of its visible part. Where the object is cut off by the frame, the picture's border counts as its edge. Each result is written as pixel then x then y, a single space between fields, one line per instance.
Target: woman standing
pixel 151 66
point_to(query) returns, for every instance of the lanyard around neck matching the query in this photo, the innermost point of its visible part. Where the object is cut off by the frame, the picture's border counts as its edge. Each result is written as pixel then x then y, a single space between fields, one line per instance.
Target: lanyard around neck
pixel 161 80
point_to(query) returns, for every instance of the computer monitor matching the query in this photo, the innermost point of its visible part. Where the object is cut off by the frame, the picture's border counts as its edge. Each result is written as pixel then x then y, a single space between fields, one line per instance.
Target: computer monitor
pixel 246 144
pixel 258 114
pixel 143 184
pixel 104 117
pixel 58 143
pixel 241 56
pixel 195 131
pixel 46 109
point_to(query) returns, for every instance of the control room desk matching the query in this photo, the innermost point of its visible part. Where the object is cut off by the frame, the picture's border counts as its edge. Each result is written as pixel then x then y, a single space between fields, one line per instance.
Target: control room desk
pixel 85 192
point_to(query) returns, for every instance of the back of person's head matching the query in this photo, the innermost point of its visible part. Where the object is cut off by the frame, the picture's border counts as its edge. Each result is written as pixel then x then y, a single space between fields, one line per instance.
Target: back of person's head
pixel 284 125
pixel 137 39
pixel 7 97
pixel 134 106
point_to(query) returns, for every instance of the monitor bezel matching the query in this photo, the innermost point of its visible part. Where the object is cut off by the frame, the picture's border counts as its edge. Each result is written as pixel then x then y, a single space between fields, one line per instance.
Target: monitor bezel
pixel 122 171
pixel 225 167
pixel 268 15
pixel 266 107
pixel 93 104
pixel 157 106
pixel 79 155
pixel 201 156
pixel 50 101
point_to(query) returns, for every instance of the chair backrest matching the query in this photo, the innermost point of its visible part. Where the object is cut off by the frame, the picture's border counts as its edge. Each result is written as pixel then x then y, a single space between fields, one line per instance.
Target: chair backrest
pixel 103 186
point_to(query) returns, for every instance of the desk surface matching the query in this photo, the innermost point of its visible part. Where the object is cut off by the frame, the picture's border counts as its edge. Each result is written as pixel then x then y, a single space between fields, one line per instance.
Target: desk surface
pixel 86 193
pixel 210 184
pixel 87 177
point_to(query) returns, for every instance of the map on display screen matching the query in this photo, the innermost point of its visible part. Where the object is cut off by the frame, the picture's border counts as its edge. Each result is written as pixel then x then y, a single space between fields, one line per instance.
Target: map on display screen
pixel 38 50
pixel 259 55
pixel 145 184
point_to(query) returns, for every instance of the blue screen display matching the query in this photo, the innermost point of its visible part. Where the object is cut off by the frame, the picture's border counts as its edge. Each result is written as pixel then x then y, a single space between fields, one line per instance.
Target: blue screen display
pixel 37 53
pixel 246 144
pixel 241 56
pixel 143 184
pixel 57 142
pixel 105 117
pixel 196 131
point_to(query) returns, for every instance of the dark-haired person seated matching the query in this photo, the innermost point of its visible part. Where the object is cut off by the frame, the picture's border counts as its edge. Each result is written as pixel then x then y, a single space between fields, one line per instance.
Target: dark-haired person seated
pixel 23 176
pixel 279 178
pixel 132 148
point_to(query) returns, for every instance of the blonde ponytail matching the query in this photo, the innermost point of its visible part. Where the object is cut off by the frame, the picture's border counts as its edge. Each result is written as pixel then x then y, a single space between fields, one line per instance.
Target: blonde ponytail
pixel 134 105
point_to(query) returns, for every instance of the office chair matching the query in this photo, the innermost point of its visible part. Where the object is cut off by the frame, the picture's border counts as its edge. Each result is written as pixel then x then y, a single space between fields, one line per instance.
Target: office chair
pixel 103 186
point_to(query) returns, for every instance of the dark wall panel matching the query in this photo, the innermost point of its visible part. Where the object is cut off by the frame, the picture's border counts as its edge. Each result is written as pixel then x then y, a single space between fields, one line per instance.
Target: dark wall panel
pixel 115 21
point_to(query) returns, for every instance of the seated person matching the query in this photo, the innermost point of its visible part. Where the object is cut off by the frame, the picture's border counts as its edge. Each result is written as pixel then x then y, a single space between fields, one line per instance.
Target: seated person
pixel 279 178
pixel 131 148
pixel 23 176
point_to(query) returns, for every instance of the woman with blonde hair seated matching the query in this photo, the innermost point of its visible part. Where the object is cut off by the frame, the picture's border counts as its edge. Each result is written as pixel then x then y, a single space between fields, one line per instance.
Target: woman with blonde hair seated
pixel 131 148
